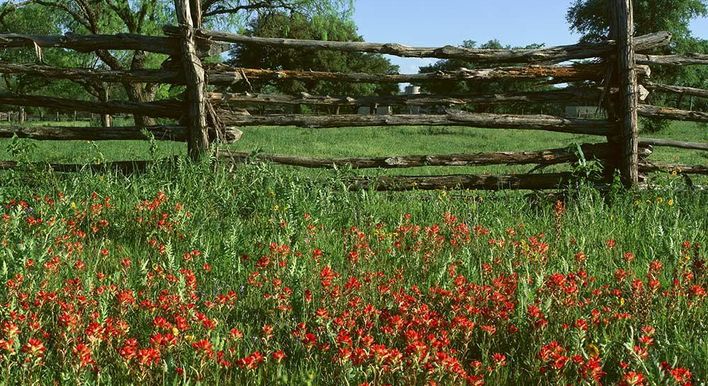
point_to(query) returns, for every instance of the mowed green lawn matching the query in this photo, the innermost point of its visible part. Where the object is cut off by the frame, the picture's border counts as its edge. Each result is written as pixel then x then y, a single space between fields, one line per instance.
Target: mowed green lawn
pixel 370 141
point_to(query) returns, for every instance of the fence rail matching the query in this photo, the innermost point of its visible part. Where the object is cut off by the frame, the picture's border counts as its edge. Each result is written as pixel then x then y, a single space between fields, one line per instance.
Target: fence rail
pixel 544 157
pixel 203 114
pixel 541 55
pixel 566 95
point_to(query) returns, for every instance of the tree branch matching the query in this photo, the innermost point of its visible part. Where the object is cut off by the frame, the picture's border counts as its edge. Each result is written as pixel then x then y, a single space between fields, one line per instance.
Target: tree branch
pixel 63 7
pixel 261 5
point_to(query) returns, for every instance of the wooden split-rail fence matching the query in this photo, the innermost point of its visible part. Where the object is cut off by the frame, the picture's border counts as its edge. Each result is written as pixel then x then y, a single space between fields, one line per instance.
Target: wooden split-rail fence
pixel 203 116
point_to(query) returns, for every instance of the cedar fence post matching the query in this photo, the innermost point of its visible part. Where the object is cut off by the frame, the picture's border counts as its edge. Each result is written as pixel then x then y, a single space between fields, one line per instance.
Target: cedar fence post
pixel 198 136
pixel 629 99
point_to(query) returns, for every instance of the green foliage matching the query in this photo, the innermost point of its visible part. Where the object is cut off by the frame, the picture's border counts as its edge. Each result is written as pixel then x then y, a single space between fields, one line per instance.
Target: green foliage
pixel 299 26
pixel 591 18
pixel 236 14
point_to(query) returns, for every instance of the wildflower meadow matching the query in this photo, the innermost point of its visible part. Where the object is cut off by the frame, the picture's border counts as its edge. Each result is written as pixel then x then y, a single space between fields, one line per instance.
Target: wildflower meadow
pixel 184 275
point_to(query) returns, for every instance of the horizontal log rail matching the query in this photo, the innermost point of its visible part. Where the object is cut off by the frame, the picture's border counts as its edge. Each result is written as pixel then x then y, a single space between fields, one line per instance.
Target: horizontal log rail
pixel 87 74
pixel 540 55
pixel 89 43
pixel 690 91
pixel 671 113
pixel 221 74
pixel 488 182
pixel 544 157
pixel 673 60
pixel 567 95
pixel 163 109
pixel 649 167
pixel 135 166
pixel 118 42
pixel 64 133
pixel 166 133
pixel 672 143
pixel 492 121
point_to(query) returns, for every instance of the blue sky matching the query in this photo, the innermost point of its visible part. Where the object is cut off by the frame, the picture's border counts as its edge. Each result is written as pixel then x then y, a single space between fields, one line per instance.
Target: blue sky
pixel 437 23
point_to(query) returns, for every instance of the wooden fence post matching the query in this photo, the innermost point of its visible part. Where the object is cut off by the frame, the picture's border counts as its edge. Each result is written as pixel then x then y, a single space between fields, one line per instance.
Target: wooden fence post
pixel 198 136
pixel 629 100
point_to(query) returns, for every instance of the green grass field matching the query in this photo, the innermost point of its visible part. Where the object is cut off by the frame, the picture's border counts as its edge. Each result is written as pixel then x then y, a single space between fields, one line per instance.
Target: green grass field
pixel 371 141
pixel 190 274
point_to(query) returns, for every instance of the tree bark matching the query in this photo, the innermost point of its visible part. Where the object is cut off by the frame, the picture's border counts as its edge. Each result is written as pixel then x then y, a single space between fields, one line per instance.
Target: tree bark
pixel 221 74
pixel 672 143
pixel 122 166
pixel 673 60
pixel 541 55
pixel 170 133
pixel 161 133
pixel 671 113
pixel 89 43
pixel 670 168
pixel 488 182
pixel 544 157
pixel 493 121
pixel 83 74
pixel 198 142
pixel 567 95
pixel 228 75
pixel 167 109
pixel 624 20
pixel 692 91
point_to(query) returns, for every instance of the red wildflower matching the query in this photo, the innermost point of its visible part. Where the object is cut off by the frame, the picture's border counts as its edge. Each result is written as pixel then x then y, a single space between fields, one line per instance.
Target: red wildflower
pixel 34 347
pixel 499 359
pixel 633 378
pixel 278 356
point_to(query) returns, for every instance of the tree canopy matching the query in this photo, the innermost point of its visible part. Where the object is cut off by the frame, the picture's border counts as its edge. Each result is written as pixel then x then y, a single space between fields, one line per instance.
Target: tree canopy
pixel 591 18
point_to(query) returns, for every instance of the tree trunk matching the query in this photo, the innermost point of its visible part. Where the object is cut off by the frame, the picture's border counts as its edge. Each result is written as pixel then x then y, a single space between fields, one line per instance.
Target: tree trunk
pixel 629 99
pixel 135 94
pixel 21 118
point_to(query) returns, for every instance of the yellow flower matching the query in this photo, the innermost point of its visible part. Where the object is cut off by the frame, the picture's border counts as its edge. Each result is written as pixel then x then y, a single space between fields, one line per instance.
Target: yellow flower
pixel 73 205
pixel 593 350
pixel 659 200
pixel 175 331
pixel 670 202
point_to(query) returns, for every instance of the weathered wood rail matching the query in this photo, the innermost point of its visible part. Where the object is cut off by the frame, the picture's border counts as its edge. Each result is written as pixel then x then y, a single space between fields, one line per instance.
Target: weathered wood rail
pixel 544 157
pixel 490 121
pixel 573 95
pixel 221 74
pixel 204 114
pixel 541 55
